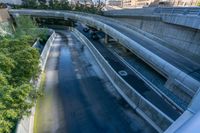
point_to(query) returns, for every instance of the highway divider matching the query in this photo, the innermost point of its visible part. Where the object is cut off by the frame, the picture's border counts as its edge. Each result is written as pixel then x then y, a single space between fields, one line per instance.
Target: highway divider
pixel 26 124
pixel 143 107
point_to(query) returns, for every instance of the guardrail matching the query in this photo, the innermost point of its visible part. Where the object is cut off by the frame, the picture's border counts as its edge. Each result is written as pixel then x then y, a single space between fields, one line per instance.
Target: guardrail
pixel 179 10
pixel 26 124
pixel 148 111
pixel 46 50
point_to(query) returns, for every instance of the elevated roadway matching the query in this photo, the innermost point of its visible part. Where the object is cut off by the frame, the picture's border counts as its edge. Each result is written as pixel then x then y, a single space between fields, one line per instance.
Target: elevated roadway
pixel 132 79
pixel 165 61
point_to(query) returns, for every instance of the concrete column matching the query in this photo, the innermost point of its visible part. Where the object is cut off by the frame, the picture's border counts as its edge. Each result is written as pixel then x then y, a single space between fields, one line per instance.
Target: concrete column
pixel 106 39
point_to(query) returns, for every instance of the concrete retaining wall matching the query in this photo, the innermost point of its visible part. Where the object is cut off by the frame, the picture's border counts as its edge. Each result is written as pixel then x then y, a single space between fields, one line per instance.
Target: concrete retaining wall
pixel 148 111
pixel 184 16
pixel 179 26
pixel 46 50
pixel 181 39
pixel 27 123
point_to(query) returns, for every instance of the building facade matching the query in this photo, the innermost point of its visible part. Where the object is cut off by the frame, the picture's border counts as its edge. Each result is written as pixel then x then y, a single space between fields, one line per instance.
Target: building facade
pixel 115 3
pixel 146 3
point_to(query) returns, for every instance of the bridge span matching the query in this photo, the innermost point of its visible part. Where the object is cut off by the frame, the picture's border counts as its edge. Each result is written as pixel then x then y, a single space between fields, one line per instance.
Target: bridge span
pixel 170 64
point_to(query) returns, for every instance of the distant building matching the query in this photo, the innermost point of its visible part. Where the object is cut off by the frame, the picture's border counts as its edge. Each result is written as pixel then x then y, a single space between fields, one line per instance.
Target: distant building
pixel 115 3
pixel 128 3
pixel 143 3
pixel 82 2
pixel 184 2
pixel 146 3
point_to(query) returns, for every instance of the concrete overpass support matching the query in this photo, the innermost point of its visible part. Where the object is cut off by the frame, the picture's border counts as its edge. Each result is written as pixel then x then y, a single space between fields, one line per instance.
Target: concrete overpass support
pixel 106 39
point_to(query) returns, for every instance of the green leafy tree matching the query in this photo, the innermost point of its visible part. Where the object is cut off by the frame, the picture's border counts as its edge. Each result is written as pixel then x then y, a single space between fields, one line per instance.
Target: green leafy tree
pixel 19 62
pixel 25 26
pixel 43 4
pixel 14 103
pixel 51 4
pixel 29 3
pixel 198 3
pixel 27 61
pixel 25 57
pixel 6 64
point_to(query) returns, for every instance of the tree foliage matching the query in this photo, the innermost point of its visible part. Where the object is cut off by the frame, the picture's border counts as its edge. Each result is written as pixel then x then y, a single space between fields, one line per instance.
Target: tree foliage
pixel 198 3
pixel 18 64
pixel 62 5
pixel 29 3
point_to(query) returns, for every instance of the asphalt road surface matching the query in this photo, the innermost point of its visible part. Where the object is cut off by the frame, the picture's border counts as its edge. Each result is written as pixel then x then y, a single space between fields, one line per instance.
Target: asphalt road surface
pixel 76 101
pixel 138 84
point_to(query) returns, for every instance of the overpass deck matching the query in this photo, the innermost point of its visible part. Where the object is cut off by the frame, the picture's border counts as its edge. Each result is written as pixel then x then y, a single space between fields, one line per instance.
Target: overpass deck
pixel 179 61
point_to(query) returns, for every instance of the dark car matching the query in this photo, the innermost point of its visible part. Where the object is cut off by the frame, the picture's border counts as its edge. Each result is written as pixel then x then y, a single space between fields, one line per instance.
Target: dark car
pixel 86 29
pixel 94 36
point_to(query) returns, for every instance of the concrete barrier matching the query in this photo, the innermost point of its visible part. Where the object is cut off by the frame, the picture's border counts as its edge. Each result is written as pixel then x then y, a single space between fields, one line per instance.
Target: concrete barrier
pixel 26 124
pixel 46 50
pixel 184 16
pixel 177 26
pixel 148 111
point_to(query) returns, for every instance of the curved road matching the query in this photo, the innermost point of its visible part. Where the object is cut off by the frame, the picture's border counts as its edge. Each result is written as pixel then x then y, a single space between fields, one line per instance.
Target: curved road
pixel 188 66
pixel 77 101
pixel 133 80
